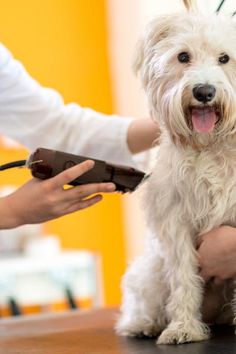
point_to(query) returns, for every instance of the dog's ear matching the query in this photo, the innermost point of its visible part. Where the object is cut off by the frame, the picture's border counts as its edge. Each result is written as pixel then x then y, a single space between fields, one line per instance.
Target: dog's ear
pixel 138 57
pixel 156 31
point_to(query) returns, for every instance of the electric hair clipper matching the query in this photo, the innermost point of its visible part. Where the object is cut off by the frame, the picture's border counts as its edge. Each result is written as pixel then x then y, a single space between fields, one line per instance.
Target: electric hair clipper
pixel 46 163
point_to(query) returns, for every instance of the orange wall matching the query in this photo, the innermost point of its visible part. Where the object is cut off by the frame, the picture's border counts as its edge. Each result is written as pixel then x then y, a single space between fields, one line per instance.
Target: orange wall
pixel 62 43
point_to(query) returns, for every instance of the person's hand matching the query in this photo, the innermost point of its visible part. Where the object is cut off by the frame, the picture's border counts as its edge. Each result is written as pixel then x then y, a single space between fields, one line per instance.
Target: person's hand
pixel 217 254
pixel 38 201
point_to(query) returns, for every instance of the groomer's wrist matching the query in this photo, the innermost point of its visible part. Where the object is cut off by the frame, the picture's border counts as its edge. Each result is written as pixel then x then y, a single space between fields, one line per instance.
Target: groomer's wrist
pixel 142 135
pixel 8 217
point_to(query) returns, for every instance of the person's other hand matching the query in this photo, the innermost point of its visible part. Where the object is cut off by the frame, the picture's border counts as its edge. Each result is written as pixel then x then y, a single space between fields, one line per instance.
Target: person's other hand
pixel 38 201
pixel 217 254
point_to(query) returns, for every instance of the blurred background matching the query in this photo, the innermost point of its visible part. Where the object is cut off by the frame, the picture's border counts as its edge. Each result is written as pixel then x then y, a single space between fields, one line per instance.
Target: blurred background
pixel 84 50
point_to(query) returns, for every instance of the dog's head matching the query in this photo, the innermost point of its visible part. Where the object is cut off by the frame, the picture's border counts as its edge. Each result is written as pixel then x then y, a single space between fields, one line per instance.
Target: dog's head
pixel 188 69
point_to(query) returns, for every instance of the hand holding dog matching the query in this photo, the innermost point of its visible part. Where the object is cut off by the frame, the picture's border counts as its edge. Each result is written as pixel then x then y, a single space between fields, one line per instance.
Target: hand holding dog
pixel 38 201
pixel 217 254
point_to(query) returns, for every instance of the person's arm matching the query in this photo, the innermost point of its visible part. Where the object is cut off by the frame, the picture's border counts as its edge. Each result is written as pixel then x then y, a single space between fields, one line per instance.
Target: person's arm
pixel 142 135
pixel 38 201
pixel 217 254
pixel 37 117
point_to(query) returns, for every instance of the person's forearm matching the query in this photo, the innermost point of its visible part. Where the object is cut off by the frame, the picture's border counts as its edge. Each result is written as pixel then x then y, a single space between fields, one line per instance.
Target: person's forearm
pixel 29 110
pixel 8 219
pixel 142 135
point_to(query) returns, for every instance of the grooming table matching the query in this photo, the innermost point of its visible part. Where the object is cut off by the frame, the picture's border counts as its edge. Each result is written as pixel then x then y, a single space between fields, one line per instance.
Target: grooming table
pixel 91 332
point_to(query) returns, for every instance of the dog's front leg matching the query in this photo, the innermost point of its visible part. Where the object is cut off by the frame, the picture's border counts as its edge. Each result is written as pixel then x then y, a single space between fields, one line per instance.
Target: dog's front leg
pixel 144 292
pixel 184 303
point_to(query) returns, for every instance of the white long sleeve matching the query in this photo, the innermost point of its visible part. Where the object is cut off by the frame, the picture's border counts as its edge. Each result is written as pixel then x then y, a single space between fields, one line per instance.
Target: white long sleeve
pixel 37 117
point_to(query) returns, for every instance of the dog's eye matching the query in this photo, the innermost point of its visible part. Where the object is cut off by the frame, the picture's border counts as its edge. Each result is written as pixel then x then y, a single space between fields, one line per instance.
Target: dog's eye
pixel 184 57
pixel 224 59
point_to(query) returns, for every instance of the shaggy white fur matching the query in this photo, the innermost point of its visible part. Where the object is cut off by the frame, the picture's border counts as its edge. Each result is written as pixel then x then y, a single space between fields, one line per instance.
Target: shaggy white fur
pixel 188 69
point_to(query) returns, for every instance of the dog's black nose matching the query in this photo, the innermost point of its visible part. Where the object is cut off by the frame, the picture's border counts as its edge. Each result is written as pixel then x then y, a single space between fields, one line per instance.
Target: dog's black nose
pixel 204 93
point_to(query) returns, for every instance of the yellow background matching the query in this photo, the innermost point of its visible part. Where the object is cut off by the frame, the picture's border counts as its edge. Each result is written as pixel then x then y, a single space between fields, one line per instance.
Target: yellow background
pixel 62 43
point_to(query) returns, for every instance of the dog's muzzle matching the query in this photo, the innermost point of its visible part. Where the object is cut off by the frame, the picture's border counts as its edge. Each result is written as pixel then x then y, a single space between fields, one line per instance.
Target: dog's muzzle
pixel 204 93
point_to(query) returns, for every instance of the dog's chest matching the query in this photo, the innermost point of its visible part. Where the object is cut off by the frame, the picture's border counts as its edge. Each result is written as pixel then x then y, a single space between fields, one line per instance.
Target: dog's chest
pixel 210 183
pixel 208 190
pixel 202 188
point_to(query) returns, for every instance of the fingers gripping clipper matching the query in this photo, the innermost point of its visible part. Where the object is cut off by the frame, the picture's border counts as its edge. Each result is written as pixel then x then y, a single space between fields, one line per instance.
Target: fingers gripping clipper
pixel 46 163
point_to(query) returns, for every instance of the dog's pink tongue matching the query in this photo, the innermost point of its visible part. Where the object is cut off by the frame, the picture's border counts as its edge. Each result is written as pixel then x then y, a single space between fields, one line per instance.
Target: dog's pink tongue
pixel 203 119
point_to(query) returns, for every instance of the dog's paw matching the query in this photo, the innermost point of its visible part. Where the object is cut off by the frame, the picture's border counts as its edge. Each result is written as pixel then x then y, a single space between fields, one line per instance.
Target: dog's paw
pixel 138 329
pixel 180 334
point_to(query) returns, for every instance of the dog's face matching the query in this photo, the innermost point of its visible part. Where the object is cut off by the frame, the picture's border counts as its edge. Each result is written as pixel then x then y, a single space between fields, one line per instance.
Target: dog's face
pixel 188 69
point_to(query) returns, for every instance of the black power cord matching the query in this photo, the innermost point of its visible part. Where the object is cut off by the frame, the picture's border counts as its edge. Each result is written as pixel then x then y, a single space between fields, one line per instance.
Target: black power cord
pixel 14 307
pixel 70 298
pixel 220 6
pixel 12 164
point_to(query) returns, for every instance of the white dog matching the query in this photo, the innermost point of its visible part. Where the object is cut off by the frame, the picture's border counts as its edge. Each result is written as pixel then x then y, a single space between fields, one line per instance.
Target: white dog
pixel 188 69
